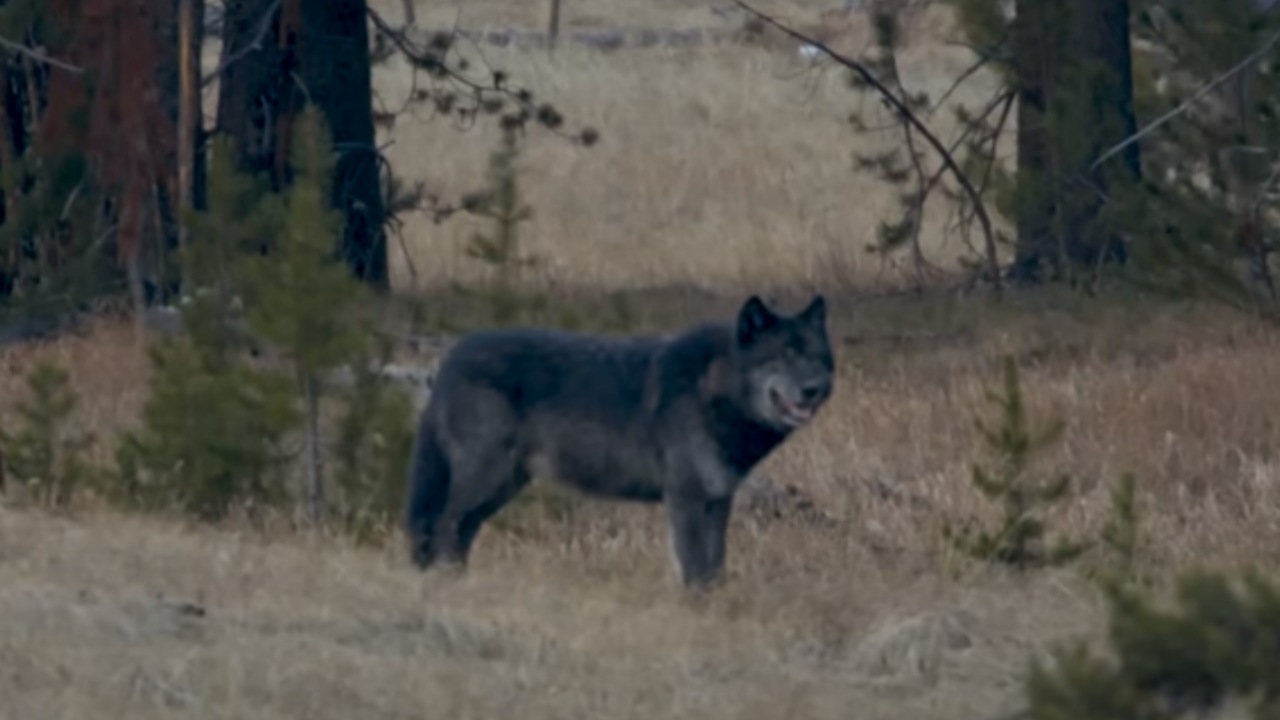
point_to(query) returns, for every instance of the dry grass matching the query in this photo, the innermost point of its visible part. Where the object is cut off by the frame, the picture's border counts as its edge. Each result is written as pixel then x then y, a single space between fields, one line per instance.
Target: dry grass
pixel 721 171
pixel 862 616
pixel 96 625
pixel 719 166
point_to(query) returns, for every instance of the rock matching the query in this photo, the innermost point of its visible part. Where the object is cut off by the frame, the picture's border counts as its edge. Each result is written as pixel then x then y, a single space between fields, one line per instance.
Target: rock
pixel 913 649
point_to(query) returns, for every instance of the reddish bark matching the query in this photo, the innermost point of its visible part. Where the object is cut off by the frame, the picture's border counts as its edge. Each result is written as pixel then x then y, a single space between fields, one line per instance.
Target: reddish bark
pixel 117 113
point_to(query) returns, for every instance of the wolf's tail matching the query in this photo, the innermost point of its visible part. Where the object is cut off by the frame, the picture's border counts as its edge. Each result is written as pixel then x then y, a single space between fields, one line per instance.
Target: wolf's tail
pixel 429 477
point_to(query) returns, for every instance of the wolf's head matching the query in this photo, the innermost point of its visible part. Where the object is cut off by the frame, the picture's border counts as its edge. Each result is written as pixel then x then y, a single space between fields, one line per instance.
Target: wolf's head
pixel 785 362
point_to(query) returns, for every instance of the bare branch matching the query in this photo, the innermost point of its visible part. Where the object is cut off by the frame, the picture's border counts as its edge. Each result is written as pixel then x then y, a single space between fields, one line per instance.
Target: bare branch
pixel 1185 104
pixel 478 94
pixel 1004 101
pixel 979 207
pixel 39 55
pixel 968 73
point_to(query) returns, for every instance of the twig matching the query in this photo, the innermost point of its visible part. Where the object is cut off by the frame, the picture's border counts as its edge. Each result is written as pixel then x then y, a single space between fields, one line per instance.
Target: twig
pixel 39 56
pixel 1185 104
pixel 1004 100
pixel 496 84
pixel 979 207
pixel 968 73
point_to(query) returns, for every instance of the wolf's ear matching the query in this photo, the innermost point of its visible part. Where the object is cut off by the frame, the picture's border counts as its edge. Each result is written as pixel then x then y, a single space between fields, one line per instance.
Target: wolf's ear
pixel 816 313
pixel 754 318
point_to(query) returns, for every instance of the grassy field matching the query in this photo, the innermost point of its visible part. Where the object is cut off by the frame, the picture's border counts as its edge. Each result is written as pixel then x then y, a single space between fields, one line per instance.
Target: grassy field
pixel 864 611
pixel 719 167
pixel 722 171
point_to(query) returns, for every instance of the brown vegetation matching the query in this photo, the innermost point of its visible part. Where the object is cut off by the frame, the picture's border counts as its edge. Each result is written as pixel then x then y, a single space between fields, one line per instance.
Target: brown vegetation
pixel 719 167
pixel 716 171
pixel 863 610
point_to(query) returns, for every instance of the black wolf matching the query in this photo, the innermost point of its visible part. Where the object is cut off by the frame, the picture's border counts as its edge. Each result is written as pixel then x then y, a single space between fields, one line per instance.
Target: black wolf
pixel 679 421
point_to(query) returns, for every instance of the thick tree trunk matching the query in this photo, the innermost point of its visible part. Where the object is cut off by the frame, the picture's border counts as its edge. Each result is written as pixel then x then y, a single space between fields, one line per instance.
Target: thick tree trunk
pixel 316 51
pixel 1106 92
pixel 1111 25
pixel 1034 206
pixel 1072 54
pixel 333 57
pixel 252 82
pixel 11 117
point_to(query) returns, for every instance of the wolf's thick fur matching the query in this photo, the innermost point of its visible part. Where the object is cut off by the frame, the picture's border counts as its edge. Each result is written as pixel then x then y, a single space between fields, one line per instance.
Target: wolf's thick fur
pixel 680 421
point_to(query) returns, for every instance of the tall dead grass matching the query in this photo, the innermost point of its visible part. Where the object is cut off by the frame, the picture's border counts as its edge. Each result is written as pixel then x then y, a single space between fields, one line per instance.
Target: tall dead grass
pixel 108 614
pixel 720 166
pixel 717 171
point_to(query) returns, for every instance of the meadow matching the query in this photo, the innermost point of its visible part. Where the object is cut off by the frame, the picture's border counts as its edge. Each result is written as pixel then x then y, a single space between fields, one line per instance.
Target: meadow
pixel 721 171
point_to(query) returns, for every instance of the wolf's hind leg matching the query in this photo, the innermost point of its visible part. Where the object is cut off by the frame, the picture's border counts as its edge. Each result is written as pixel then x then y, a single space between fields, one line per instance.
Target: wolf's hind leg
pixel 484 481
pixel 427 496
pixel 471 522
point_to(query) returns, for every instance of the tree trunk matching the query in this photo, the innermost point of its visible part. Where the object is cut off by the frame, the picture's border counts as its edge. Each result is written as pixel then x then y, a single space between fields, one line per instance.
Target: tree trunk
pixel 1034 204
pixel 315 469
pixel 247 85
pixel 1105 91
pixel 190 39
pixel 1075 100
pixel 314 51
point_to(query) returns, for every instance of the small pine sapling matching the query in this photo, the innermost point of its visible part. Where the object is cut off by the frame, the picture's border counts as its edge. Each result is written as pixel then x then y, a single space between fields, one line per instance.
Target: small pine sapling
pixel 302 298
pixel 909 174
pixel 1120 535
pixel 44 457
pixel 1020 540
pixel 371 452
pixel 213 428
pixel 212 436
pixel 499 250
pixel 1221 645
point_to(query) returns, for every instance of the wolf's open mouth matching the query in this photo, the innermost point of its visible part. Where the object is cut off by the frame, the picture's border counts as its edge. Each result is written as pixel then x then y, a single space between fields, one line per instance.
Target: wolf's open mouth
pixel 792 413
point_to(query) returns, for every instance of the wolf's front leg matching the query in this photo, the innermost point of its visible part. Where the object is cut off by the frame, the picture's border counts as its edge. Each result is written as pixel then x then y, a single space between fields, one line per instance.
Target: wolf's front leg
pixel 698 526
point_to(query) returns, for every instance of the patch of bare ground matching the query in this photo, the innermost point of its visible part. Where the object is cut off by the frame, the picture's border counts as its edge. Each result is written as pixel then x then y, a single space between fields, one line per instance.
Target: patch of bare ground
pixel 841 597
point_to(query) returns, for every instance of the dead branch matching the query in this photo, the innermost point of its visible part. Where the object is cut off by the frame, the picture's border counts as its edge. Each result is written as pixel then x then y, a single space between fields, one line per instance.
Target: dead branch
pixel 960 80
pixel 469 97
pixel 900 107
pixel 39 55
pixel 1186 104
pixel 1004 101
pixel 915 212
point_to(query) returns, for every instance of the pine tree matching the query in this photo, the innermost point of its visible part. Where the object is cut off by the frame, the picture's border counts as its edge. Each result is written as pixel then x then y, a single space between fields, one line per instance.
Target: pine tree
pixel 213 428
pixel 371 451
pixel 44 456
pixel 1020 539
pixel 212 435
pixel 1222 643
pixel 500 202
pixel 302 299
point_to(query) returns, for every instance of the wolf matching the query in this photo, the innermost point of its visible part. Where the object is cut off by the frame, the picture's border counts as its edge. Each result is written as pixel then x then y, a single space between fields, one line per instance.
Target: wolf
pixel 679 421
